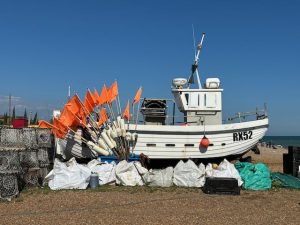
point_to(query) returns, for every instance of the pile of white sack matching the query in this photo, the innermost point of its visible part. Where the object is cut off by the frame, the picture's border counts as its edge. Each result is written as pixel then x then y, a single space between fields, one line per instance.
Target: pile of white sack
pixel 71 175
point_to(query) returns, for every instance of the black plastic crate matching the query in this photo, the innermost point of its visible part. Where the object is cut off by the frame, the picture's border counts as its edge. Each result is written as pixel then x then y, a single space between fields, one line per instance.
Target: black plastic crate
pixel 296 164
pixel 292 150
pixel 220 185
pixel 296 156
pixel 287 163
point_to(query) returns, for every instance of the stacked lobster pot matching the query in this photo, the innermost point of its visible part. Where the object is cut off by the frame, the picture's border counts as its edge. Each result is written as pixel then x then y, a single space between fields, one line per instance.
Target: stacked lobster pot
pixel 10 169
pixel 24 158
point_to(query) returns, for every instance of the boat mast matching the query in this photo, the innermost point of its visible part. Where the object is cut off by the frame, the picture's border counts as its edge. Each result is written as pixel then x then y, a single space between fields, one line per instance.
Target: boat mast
pixel 195 65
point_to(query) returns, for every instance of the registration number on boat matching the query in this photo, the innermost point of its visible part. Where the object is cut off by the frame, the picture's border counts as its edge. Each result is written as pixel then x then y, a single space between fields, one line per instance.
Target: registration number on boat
pixel 242 136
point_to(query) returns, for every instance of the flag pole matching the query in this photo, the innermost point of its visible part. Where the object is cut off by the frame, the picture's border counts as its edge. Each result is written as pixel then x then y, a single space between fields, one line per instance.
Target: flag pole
pixel 137 115
pixel 112 113
pixel 133 111
pixel 86 111
pixel 118 104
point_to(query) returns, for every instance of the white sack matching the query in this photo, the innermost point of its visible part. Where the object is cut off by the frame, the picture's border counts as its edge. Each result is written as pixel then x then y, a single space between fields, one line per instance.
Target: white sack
pixel 129 174
pixel 105 171
pixel 189 174
pixel 69 175
pixel 160 178
pixel 225 169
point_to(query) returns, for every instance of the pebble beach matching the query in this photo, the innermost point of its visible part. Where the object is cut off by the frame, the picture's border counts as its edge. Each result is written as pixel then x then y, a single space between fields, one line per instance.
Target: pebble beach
pixel 145 205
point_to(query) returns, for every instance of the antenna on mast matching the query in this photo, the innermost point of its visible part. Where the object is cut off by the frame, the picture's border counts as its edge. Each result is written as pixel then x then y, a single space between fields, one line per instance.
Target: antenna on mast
pixel 69 92
pixel 194 40
pixel 195 64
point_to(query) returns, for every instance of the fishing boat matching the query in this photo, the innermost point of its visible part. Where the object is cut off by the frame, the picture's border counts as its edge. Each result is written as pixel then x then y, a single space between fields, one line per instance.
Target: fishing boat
pixel 203 133
pixel 82 130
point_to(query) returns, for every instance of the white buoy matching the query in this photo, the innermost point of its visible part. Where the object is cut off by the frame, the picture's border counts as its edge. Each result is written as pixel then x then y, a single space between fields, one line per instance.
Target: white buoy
pixel 119 121
pixel 122 124
pixel 102 144
pixel 132 137
pixel 98 149
pixel 110 138
pixel 114 133
pixel 123 133
pixel 119 132
pixel 128 136
pixel 107 140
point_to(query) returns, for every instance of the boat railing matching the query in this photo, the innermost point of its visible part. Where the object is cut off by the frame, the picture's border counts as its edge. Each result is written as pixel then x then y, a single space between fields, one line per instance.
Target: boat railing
pixel 173 119
pixel 259 114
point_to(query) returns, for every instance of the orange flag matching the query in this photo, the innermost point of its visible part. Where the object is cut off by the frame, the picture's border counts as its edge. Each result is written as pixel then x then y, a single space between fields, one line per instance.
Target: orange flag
pixel 112 92
pixel 75 106
pixel 69 119
pixel 89 102
pixel 103 96
pixel 96 96
pixel 59 129
pixel 45 124
pixel 126 113
pixel 137 96
pixel 103 117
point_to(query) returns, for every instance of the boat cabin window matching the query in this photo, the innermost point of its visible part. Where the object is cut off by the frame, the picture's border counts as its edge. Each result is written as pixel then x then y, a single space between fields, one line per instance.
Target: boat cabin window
pixel 210 100
pixel 194 100
pixel 187 98
pixel 202 100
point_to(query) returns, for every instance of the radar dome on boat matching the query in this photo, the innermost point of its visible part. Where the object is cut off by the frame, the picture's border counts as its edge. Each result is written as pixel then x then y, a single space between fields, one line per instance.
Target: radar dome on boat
pixel 179 82
pixel 212 83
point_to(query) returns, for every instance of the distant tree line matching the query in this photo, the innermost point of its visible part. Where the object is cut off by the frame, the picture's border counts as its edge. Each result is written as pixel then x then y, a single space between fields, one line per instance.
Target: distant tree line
pixel 5 119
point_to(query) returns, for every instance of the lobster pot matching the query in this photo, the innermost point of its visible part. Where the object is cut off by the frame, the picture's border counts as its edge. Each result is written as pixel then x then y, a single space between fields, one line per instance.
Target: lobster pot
pixel 31 177
pixel 8 186
pixel 11 137
pixel 44 138
pixel 43 157
pixel 9 161
pixel 29 138
pixel 29 159
pixel 43 172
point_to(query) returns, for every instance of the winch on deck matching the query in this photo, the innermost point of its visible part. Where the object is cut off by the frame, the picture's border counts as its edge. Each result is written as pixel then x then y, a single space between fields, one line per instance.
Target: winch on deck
pixel 154 111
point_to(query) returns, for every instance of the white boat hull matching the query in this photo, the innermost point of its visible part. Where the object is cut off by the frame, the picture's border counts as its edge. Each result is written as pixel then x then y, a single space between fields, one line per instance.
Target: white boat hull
pixel 182 142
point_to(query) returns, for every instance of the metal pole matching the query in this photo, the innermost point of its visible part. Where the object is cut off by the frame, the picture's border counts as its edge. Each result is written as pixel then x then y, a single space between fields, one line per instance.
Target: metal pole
pixel 137 115
pixel 9 109
pixel 173 113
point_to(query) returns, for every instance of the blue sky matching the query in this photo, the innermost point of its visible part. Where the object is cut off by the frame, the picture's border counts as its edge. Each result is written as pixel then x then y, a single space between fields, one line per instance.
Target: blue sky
pixel 252 46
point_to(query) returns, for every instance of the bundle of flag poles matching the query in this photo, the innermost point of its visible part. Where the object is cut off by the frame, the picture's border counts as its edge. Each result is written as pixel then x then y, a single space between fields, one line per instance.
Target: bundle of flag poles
pixel 107 132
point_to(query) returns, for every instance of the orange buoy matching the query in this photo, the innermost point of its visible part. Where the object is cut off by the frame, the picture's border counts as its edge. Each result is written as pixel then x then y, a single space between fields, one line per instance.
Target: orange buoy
pixel 204 143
